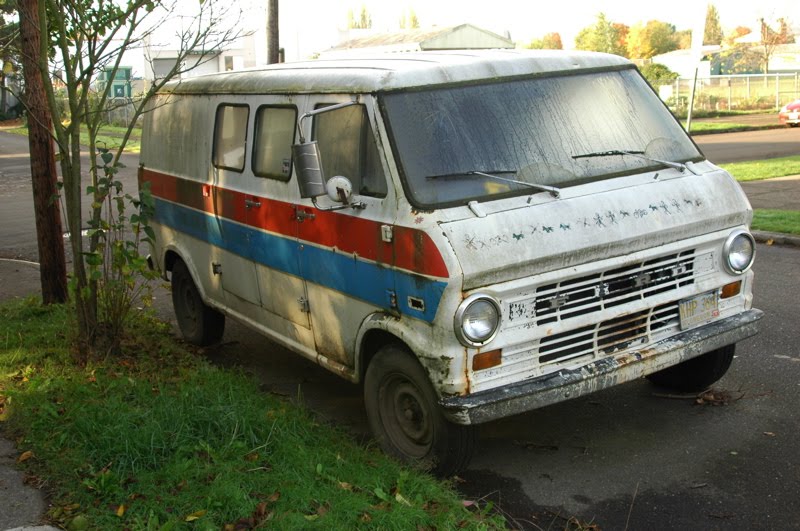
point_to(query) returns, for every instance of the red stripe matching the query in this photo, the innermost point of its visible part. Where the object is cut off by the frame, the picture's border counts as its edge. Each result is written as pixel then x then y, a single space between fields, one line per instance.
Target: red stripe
pixel 413 249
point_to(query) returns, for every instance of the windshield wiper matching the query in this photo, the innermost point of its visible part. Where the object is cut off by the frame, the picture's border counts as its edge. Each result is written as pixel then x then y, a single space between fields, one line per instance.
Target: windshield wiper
pixel 552 190
pixel 638 154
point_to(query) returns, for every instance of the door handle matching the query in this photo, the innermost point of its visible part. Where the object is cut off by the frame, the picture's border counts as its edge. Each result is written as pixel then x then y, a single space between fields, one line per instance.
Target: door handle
pixel 249 203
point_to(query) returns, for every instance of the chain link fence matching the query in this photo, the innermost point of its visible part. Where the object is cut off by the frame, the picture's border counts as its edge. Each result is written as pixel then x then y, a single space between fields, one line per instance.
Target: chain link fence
pixel 767 92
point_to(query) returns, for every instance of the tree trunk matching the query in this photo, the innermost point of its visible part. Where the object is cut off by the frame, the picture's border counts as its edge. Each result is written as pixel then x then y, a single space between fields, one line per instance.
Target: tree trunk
pixel 52 269
pixel 273 42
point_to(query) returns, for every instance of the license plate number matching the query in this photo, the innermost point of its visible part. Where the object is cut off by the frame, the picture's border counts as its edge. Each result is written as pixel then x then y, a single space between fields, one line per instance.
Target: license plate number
pixel 699 309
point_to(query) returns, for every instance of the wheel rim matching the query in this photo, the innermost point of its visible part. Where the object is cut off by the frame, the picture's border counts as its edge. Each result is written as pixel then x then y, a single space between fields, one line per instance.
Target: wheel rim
pixel 406 420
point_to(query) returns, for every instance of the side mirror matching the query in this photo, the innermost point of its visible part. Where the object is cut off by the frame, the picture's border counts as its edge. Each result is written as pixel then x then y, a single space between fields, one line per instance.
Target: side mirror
pixel 340 189
pixel 308 165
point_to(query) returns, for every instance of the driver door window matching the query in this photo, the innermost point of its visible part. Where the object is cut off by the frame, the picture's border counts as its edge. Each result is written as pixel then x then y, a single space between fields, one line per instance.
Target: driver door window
pixel 347 147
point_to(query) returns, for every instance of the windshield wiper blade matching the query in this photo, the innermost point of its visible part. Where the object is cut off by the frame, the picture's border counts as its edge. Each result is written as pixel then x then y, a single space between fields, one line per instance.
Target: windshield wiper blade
pixel 638 154
pixel 552 190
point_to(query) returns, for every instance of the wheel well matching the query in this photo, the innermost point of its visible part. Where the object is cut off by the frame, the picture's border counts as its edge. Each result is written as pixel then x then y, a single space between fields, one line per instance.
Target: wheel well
pixel 169 260
pixel 372 342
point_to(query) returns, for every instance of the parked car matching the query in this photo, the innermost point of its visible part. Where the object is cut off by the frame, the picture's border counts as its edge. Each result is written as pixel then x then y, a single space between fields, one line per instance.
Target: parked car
pixel 790 114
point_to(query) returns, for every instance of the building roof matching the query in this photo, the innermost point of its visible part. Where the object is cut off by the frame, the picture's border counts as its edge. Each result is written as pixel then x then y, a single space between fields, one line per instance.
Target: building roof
pixel 463 37
pixel 386 72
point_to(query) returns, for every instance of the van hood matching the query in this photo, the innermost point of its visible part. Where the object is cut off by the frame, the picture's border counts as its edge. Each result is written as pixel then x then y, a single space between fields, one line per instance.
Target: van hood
pixel 577 229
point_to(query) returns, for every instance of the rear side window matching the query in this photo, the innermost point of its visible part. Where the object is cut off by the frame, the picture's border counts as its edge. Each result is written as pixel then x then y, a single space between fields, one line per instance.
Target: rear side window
pixel 272 142
pixel 347 147
pixel 230 137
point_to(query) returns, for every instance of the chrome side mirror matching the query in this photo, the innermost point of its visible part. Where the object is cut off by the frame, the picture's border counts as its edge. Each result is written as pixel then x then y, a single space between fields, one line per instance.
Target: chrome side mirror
pixel 308 166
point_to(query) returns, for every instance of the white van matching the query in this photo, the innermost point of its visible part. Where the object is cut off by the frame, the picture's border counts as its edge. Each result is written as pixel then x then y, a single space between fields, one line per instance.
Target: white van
pixel 470 234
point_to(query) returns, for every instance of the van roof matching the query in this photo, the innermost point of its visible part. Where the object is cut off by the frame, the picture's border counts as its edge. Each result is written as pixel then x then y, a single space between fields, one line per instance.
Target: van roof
pixel 386 72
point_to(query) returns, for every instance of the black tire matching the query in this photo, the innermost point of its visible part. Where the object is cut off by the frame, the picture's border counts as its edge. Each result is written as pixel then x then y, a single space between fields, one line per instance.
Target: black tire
pixel 405 418
pixel 199 323
pixel 696 374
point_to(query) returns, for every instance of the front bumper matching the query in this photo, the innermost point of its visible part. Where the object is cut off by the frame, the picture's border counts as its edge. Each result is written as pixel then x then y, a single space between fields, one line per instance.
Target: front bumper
pixel 493 404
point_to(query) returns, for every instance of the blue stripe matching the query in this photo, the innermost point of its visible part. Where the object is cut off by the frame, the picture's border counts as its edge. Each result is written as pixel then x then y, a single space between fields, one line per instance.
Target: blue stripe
pixel 345 273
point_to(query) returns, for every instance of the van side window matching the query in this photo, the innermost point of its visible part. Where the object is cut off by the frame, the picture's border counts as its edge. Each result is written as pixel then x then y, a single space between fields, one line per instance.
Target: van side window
pixel 347 147
pixel 230 137
pixel 272 142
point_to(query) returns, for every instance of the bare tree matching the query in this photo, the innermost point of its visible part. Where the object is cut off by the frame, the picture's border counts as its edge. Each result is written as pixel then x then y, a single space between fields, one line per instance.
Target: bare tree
pixel 44 173
pixel 771 39
pixel 89 38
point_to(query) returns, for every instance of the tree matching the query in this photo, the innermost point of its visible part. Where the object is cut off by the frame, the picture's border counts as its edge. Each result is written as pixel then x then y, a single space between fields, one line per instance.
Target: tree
pixel 683 39
pixel 364 20
pixel 44 174
pixel 654 38
pixel 551 41
pixel 657 74
pixel 770 39
pixel 89 38
pixel 603 36
pixel 409 20
pixel 273 40
pixel 737 32
pixel 713 30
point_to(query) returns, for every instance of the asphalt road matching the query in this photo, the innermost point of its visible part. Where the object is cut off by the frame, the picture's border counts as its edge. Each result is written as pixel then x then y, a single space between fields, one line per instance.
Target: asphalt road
pixel 623 458
pixel 750 145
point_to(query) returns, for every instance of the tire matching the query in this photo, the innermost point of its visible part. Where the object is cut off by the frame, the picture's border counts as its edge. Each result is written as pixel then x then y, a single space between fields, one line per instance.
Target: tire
pixel 405 418
pixel 696 374
pixel 199 324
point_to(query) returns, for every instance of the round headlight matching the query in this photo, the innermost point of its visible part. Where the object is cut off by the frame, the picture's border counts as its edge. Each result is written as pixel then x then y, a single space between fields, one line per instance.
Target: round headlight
pixel 477 320
pixel 739 251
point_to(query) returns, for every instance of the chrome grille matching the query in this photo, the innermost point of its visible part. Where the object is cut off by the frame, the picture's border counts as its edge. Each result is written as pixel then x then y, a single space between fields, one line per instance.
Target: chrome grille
pixel 592 293
pixel 608 337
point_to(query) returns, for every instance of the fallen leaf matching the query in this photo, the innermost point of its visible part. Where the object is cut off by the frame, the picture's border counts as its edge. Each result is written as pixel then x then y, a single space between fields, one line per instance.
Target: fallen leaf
pixel 311 517
pixel 467 503
pixel 401 499
pixel 275 496
pixel 251 457
pixel 120 510
pixel 195 515
pixel 346 486
pixel 25 456
pixel 769 434
pixel 770 241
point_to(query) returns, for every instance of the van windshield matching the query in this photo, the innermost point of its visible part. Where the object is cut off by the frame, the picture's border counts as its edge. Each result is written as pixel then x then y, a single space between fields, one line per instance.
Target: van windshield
pixel 537 130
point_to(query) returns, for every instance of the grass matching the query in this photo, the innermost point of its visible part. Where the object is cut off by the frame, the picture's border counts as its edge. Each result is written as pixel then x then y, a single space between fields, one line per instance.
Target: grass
pixel 699 128
pixel 764 169
pixel 785 221
pixel 160 439
pixel 109 135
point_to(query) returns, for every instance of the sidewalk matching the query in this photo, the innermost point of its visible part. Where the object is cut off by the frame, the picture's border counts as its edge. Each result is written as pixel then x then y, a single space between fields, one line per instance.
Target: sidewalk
pixel 21 505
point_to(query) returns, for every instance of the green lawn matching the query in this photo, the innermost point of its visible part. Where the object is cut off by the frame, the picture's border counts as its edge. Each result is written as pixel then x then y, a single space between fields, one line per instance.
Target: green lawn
pixel 763 169
pixel 785 221
pixel 160 439
pixel 110 136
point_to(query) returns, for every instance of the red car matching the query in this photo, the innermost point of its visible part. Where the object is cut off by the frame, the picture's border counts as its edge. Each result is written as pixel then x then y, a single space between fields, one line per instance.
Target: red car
pixel 790 114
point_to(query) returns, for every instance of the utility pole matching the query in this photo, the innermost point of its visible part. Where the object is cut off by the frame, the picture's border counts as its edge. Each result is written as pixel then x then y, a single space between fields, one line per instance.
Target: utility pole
pixel 52 262
pixel 273 42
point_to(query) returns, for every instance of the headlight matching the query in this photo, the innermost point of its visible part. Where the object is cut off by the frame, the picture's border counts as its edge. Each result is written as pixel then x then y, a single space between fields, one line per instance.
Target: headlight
pixel 739 251
pixel 477 320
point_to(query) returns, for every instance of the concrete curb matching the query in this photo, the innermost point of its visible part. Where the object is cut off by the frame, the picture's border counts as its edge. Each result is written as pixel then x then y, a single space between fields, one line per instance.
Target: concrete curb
pixel 776 238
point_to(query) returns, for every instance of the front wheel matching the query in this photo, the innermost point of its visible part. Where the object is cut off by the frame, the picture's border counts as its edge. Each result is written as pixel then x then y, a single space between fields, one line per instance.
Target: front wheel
pixel 405 418
pixel 199 323
pixel 696 374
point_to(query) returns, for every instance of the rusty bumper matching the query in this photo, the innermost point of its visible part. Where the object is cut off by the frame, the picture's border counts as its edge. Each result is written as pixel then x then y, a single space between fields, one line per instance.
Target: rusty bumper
pixel 607 372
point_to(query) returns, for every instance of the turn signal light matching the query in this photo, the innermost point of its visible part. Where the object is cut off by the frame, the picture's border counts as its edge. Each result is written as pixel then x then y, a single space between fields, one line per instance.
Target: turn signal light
pixel 731 290
pixel 486 360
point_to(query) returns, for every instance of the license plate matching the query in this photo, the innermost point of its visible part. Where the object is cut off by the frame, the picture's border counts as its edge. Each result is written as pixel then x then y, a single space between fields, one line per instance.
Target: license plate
pixel 794 115
pixel 699 309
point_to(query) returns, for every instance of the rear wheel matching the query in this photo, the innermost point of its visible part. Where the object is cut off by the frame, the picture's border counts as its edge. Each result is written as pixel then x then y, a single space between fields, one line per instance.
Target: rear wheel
pixel 405 418
pixel 696 374
pixel 199 323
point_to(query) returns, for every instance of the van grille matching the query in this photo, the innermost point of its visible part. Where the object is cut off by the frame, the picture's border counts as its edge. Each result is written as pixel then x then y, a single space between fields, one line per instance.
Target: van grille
pixel 600 291
pixel 608 337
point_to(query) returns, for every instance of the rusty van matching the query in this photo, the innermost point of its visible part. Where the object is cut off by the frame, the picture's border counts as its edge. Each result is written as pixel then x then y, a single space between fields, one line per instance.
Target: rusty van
pixel 470 235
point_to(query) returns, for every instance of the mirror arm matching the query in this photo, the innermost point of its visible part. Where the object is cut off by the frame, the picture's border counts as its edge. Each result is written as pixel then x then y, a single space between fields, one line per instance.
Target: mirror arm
pixel 327 108
pixel 358 205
